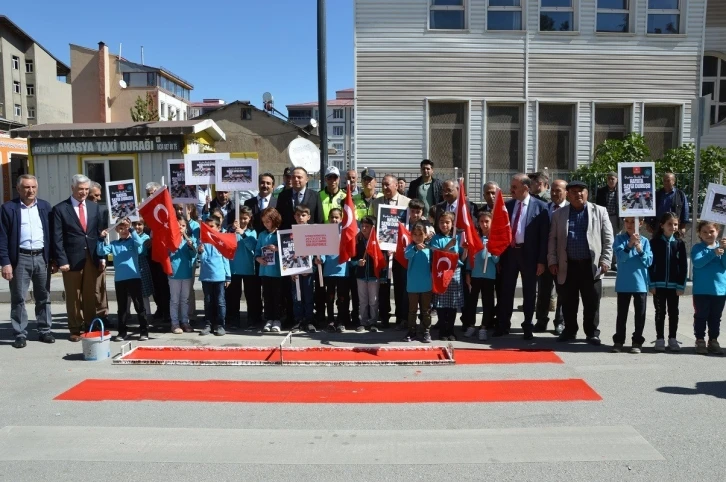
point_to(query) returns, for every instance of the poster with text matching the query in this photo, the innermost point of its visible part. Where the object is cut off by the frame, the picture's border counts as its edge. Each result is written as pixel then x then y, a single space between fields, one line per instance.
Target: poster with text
pixel 180 192
pixel 290 263
pixel 200 168
pixel 316 239
pixel 387 229
pixel 714 207
pixel 121 200
pixel 636 189
pixel 236 174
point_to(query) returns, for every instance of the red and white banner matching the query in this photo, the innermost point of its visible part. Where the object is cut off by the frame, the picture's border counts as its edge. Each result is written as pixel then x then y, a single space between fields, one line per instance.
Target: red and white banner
pixel 404 239
pixel 159 215
pixel 349 231
pixel 373 250
pixel 500 233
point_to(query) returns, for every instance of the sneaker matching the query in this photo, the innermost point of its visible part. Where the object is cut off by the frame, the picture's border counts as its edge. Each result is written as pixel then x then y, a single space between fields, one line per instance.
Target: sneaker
pixel 330 328
pixel 119 337
pixel 276 325
pixel 659 344
pixel 297 327
pixel 340 328
pixel 310 328
pixel 187 328
pixel 410 336
pixel 673 345
pixel 268 327
pixel 373 328
pixel 176 330
pixel 470 332
pixel 701 348
pixel 360 329
pixel 206 331
pixel 426 337
pixel 482 334
pixel 617 348
pixel 714 348
pixel 636 348
pixel 220 331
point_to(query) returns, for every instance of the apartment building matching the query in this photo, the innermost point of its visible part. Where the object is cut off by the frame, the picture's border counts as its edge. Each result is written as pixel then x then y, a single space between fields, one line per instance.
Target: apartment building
pixel 206 106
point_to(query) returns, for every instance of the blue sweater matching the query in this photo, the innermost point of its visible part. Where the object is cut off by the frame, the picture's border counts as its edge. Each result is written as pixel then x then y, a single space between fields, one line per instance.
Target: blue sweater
pixel 266 238
pixel 439 241
pixel 194 228
pixel 213 267
pixel 125 256
pixel 243 263
pixel 632 266
pixel 709 271
pixel 331 267
pixel 183 260
pixel 418 278
pixel 478 270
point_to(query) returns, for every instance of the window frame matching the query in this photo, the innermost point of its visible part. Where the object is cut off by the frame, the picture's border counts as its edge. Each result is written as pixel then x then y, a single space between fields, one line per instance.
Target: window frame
pixel 29 63
pixel 661 11
pixel 521 161
pixel 17 87
pixel 575 9
pixel 463 7
pixel 30 90
pixel 336 111
pixel 15 62
pixel 466 127
pixel 572 164
pixel 18 110
pixel 341 129
pixel 31 112
pixel 162 109
pixel 676 130
pixel 720 77
pixel 520 9
pixel 627 118
pixel 629 11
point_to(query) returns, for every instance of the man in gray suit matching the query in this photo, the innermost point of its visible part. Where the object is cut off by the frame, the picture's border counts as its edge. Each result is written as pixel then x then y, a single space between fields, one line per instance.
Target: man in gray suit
pixel 580 250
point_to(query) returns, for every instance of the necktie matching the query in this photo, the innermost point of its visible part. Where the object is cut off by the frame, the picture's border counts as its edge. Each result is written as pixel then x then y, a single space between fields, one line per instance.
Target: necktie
pixel 557 206
pixel 451 208
pixel 516 224
pixel 263 203
pixel 82 216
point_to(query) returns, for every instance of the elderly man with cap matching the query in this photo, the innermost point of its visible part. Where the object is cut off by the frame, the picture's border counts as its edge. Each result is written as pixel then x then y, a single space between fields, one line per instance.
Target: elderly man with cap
pixel 579 254
pixel 332 196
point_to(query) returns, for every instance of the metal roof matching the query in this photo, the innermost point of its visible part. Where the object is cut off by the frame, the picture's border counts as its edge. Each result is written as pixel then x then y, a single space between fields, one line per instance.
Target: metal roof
pixel 120 129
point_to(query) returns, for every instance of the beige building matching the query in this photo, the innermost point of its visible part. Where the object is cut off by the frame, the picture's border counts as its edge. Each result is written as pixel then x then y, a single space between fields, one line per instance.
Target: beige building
pixel 33 83
pixel 106 87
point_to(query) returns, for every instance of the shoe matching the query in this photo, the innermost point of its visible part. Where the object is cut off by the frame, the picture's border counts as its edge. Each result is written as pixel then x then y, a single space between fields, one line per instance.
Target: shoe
pixel 701 348
pixel 276 325
pixel 499 332
pixel 340 328
pixel 206 331
pixel 360 329
pixel 74 338
pixel 636 348
pixel 187 328
pixel 297 327
pixel 310 328
pixel 566 337
pixel 410 336
pixel 553 305
pixel 482 334
pixel 143 336
pixel 673 345
pixel 373 328
pixel 559 328
pixel 426 337
pixel 471 331
pixel 220 331
pixel 528 335
pixel 714 348
pixel 119 337
pixel 617 348
pixel 330 328
pixel 594 340
pixel 177 330
pixel 46 338
pixel 20 342
pixel 268 327
pixel 539 327
pixel 659 345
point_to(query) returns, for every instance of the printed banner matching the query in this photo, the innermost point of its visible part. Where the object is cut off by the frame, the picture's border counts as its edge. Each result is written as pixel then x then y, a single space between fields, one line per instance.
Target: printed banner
pixel 714 207
pixel 316 239
pixel 290 263
pixel 636 189
pixel 236 174
pixel 387 228
pixel 201 168
pixel 180 192
pixel 121 200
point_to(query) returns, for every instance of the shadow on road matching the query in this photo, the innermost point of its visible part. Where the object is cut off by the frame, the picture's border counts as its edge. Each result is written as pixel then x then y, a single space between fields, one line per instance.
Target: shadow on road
pixel 714 389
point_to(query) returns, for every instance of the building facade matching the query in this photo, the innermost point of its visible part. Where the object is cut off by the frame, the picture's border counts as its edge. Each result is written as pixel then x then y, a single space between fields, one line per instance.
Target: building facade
pixel 106 87
pixel 33 83
pixel 206 106
pixel 341 125
pixel 494 87
pixel 13 159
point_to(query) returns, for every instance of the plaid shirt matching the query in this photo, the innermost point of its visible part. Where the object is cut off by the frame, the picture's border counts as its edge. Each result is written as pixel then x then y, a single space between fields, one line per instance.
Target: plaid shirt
pixel 577 247
pixel 612 204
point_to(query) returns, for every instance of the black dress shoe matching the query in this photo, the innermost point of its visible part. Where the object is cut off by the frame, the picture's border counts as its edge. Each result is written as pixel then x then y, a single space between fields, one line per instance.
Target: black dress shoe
pixel 20 342
pixel 539 327
pixel 46 338
pixel 528 335
pixel 594 340
pixel 566 337
pixel 499 332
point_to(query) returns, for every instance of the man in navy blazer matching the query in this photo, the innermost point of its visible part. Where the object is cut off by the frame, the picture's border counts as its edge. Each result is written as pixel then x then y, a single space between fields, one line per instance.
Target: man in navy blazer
pixel 25 257
pixel 300 194
pixel 262 201
pixel 526 255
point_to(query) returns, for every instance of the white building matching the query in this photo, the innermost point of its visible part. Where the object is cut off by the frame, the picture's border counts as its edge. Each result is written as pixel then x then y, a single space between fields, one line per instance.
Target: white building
pixel 341 125
pixel 498 86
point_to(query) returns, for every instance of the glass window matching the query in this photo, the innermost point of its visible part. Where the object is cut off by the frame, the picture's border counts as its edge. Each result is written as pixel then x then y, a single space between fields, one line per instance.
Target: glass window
pixel 664 17
pixel 16 87
pixel 556 22
pixel 504 138
pixel 448 134
pixel 661 128
pixel 613 16
pixel 714 84
pixel 338 114
pixel 337 131
pixel 447 15
pixel 18 110
pixel 16 63
pixel 162 110
pixel 151 79
pixel 611 122
pixel 29 67
pixel 31 112
pixel 504 15
pixel 30 89
pixel 556 147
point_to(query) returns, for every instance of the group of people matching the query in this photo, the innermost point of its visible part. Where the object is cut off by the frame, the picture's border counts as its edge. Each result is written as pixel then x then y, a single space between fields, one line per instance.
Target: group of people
pixel 562 245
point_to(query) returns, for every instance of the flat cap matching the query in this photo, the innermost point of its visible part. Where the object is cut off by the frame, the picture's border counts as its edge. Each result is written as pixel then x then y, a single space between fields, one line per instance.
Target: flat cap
pixel 573 184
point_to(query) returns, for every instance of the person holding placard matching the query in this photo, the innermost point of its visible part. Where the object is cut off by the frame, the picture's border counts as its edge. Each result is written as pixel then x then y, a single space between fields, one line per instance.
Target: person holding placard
pixel 243 273
pixel 303 305
pixel 368 281
pixel 709 287
pixel 336 286
pixel 268 257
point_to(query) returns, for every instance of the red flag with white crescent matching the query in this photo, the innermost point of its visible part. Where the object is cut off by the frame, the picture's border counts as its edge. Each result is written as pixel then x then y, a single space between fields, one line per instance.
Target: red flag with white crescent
pixel 226 243
pixel 159 215
pixel 463 222
pixel 500 233
pixel 160 254
pixel 373 250
pixel 349 230
pixel 402 242
pixel 444 264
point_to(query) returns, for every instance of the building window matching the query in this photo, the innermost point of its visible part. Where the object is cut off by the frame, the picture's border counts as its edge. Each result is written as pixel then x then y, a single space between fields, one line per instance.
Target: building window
pixel 664 17
pixel 31 112
pixel 184 113
pixel 447 134
pixel 16 63
pixel 16 87
pixel 162 110
pixel 338 131
pixel 447 15
pixel 339 149
pixel 556 137
pixel 504 15
pixel 338 114
pixel 504 137
pixel 661 128
pixel 613 16
pixel 246 113
pixel 18 110
pixel 29 67
pixel 557 16
pixel 31 89
pixel 611 122
pixel 714 84
pixel 352 130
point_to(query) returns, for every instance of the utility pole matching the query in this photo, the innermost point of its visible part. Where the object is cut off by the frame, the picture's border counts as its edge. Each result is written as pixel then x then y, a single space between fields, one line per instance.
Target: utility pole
pixel 322 92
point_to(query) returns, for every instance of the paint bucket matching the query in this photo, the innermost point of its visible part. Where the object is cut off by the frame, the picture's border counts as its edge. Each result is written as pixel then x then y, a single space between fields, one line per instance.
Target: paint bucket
pixel 96 344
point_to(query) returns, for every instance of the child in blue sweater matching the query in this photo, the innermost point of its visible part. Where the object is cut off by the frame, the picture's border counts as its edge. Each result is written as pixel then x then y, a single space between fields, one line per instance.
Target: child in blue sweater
pixel 126 276
pixel 243 272
pixel 337 285
pixel 183 261
pixel 634 257
pixel 709 287
pixel 215 277
pixel 418 283
pixel 268 256
pixel 452 300
pixel 480 281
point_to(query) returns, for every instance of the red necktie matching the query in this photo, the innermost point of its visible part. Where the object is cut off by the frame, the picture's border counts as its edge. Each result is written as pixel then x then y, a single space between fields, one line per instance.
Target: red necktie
pixel 82 216
pixel 516 224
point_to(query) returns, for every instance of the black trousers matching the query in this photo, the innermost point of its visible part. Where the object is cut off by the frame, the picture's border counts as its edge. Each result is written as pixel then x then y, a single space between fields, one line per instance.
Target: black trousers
pixel 233 298
pixel 515 262
pixel 162 297
pixel 580 283
pixel 130 290
pixel 337 296
pixel 284 299
pixel 253 296
pixel 666 298
pixel 639 302
pixel 384 301
pixel 400 295
pixel 271 290
pixel 354 300
pixel 545 284
pixel 483 287
pixel 447 318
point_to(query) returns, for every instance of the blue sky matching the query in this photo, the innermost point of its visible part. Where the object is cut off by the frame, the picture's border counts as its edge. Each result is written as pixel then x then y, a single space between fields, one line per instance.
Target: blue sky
pixel 235 50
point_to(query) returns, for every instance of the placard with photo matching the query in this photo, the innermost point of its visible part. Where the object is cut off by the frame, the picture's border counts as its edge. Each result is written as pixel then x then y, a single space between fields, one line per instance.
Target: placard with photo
pixel 290 264
pixel 121 200
pixel 201 168
pixel 181 193
pixel 714 206
pixel 636 189
pixel 238 174
pixel 387 227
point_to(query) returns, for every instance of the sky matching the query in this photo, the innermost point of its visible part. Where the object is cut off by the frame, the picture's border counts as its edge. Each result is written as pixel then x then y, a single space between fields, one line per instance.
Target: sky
pixel 232 50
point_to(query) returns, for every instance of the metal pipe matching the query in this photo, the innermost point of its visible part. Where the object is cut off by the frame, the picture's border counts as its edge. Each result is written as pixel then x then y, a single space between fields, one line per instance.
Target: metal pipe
pixel 322 92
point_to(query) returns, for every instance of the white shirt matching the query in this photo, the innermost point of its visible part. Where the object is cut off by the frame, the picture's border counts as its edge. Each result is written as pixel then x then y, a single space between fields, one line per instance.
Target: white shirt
pixel 202 195
pixel 519 238
pixel 452 207
pixel 31 227
pixel 560 205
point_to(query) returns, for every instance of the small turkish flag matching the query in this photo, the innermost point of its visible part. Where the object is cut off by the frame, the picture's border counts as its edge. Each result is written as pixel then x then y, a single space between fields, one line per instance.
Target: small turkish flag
pixel 463 222
pixel 404 239
pixel 349 231
pixel 160 254
pixel 226 243
pixel 373 250
pixel 500 233
pixel 159 215
pixel 445 264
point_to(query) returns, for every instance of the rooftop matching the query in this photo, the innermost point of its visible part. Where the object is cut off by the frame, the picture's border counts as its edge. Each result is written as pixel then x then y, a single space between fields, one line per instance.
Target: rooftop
pixel 61 68
pixel 120 129
pixel 343 98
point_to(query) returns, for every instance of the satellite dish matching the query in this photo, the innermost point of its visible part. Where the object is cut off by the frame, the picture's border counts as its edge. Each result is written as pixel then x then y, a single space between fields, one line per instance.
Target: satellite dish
pixel 313 123
pixel 267 97
pixel 122 83
pixel 305 154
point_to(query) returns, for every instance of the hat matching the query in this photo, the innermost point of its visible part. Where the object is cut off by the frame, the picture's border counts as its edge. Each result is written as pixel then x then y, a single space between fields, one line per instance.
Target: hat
pixel 573 184
pixel 287 172
pixel 368 173
pixel 612 174
pixel 332 171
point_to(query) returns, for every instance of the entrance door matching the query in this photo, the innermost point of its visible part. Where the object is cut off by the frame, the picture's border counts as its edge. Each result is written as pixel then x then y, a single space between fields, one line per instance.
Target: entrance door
pixel 109 170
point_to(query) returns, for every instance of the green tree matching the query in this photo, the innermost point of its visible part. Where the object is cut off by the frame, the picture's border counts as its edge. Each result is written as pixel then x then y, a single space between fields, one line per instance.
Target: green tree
pixel 144 110
pixel 632 148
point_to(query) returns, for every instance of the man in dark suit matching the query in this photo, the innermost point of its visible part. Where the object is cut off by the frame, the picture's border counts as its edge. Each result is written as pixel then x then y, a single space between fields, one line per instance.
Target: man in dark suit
pixel 451 203
pixel 289 199
pixel 607 197
pixel 76 224
pixel 526 256
pixel 262 201
pixel 25 257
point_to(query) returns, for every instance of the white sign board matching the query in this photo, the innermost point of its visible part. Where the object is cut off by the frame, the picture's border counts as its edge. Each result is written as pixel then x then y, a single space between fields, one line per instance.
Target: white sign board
pixel 121 200
pixel 714 207
pixel 387 227
pixel 236 174
pixel 636 189
pixel 200 168
pixel 180 192
pixel 290 263
pixel 316 239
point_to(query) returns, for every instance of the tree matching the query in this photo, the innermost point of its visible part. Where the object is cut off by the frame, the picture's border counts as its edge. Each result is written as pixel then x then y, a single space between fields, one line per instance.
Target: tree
pixel 632 148
pixel 144 110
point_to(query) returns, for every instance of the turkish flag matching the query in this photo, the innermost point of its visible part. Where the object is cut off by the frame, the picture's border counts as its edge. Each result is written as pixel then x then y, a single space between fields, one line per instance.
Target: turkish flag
pixel 226 243
pixel 159 215
pixel 404 239
pixel 373 250
pixel 463 222
pixel 500 233
pixel 349 230
pixel 160 254
pixel 444 263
